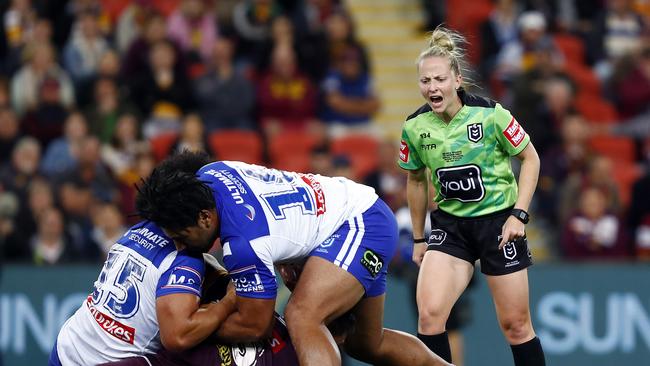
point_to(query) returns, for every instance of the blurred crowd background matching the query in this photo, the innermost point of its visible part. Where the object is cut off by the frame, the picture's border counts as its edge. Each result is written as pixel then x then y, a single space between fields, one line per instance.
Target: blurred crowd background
pixel 93 93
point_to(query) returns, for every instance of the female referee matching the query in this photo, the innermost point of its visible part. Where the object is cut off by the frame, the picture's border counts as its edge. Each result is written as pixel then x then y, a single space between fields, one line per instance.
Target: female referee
pixel 466 141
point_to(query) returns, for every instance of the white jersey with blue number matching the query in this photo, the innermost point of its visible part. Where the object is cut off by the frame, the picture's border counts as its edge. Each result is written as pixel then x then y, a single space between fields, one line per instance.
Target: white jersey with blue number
pixel 270 216
pixel 118 319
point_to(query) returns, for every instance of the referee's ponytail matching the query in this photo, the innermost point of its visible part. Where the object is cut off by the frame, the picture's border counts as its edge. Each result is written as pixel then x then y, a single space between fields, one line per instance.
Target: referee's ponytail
pixel 446 43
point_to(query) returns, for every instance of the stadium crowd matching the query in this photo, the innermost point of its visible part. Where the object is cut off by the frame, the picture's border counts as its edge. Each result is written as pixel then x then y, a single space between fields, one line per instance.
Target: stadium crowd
pixel 93 93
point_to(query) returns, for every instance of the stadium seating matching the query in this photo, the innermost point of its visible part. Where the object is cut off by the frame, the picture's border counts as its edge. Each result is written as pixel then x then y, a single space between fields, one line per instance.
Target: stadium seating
pixel 240 145
pixel 292 151
pixel 363 151
pixel 161 145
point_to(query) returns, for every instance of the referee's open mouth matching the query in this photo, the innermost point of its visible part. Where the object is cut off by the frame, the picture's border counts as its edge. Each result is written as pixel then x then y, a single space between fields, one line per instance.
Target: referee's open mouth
pixel 436 100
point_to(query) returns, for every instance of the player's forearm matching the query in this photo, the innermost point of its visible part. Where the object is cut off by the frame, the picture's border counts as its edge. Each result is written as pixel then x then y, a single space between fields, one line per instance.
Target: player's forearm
pixel 236 329
pixel 198 326
pixel 528 176
pixel 417 196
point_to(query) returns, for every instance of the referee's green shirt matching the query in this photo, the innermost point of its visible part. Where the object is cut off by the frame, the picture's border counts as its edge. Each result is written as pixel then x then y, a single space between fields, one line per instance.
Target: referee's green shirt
pixel 469 157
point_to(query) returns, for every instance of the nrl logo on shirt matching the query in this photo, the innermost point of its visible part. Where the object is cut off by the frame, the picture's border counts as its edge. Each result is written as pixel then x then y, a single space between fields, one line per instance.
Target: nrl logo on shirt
pixel 475 132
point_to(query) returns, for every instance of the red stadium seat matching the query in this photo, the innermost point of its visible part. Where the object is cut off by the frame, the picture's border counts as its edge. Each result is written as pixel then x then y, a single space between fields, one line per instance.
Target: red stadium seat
pixel 362 150
pixel 619 149
pixel 239 145
pixel 291 151
pixel 572 48
pixel 584 78
pixel 161 145
pixel 595 109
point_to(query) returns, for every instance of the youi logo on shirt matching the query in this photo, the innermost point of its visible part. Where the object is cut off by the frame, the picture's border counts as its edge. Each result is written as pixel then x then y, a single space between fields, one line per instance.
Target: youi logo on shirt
pixel 463 183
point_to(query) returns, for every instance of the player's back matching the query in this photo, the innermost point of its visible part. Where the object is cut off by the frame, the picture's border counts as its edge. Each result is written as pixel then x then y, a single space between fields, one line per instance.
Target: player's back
pixel 119 318
pixel 293 212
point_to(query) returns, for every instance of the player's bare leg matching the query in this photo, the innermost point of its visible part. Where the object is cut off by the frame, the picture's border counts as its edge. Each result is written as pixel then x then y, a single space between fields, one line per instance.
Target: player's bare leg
pixel 372 343
pixel 316 302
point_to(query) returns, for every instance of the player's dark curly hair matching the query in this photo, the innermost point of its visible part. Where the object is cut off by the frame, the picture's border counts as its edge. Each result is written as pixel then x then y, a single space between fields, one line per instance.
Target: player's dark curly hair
pixel 172 196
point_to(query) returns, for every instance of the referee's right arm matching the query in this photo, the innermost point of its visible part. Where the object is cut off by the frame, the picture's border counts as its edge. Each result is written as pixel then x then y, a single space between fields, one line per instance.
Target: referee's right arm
pixel 417 196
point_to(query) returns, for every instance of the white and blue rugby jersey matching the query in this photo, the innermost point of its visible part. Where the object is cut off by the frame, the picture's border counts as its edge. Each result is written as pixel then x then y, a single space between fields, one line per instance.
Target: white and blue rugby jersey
pixel 270 216
pixel 118 319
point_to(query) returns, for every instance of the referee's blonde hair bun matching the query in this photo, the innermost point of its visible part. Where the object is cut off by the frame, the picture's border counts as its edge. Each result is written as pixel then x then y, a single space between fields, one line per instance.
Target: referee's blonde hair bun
pixel 444 42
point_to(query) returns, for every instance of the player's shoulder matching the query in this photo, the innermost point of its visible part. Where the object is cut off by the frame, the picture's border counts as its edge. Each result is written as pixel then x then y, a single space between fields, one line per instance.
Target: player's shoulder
pixel 474 100
pixel 422 110
pixel 149 241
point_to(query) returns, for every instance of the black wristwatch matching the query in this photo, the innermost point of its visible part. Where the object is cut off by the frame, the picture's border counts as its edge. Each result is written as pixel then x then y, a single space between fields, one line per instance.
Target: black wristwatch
pixel 520 214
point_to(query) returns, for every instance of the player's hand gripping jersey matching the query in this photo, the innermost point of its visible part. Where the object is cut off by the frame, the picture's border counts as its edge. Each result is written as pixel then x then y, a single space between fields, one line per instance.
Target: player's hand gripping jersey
pixel 270 216
pixel 118 319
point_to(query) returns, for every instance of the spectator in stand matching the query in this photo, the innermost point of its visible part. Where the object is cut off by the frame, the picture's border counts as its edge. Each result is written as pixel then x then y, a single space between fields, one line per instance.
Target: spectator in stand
pixel 76 201
pixel 192 136
pixel 108 106
pixel 286 97
pixel 632 94
pixel 91 172
pixel 618 33
pixel 45 121
pixel 25 161
pixel 544 102
pixel 594 231
pixel 132 22
pixel 49 245
pixel 321 160
pixel 193 27
pixel 137 59
pixel 19 22
pixel 41 33
pixel 349 97
pixel 9 134
pixel 108 226
pixel 25 84
pixel 163 93
pixel 39 198
pixel 84 50
pixel 62 153
pixel 565 159
pixel 599 175
pixel 252 21
pixel 225 98
pixel 341 36
pixel 8 208
pixel 121 153
pixel 108 68
pixel 497 31
pixel 520 55
pixel 143 166
pixel 5 97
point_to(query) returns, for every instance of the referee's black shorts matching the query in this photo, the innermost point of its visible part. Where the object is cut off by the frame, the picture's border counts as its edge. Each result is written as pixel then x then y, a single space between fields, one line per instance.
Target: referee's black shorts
pixel 478 238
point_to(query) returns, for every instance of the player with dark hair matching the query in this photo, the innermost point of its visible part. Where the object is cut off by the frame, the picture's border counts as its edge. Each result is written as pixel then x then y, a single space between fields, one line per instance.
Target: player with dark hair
pixel 147 293
pixel 265 217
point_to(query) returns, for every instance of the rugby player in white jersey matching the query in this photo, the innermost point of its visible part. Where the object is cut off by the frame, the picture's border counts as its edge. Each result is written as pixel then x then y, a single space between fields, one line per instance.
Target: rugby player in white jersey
pixel 264 217
pixel 147 295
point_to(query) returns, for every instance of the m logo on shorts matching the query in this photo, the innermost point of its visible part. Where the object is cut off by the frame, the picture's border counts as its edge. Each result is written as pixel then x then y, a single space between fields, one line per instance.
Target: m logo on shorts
pixel 463 183
pixel 475 132
pixel 437 236
pixel 372 262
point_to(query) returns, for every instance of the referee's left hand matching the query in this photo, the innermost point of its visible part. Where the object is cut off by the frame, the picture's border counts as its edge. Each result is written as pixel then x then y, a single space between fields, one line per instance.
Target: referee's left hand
pixel 513 229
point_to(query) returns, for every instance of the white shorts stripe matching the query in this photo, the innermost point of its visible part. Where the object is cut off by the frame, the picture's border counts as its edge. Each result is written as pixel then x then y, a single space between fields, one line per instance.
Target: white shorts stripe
pixel 357 241
pixel 346 243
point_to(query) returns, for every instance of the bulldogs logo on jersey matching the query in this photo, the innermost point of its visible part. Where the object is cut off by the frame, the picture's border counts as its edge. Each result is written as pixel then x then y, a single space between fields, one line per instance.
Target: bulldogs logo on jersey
pixel 475 132
pixel 463 183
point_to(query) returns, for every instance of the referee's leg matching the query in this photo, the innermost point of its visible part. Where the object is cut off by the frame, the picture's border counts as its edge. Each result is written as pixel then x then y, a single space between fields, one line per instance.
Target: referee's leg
pixel 510 294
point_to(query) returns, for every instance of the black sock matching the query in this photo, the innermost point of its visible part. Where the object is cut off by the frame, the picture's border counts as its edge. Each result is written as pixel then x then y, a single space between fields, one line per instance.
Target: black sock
pixel 438 343
pixel 529 353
